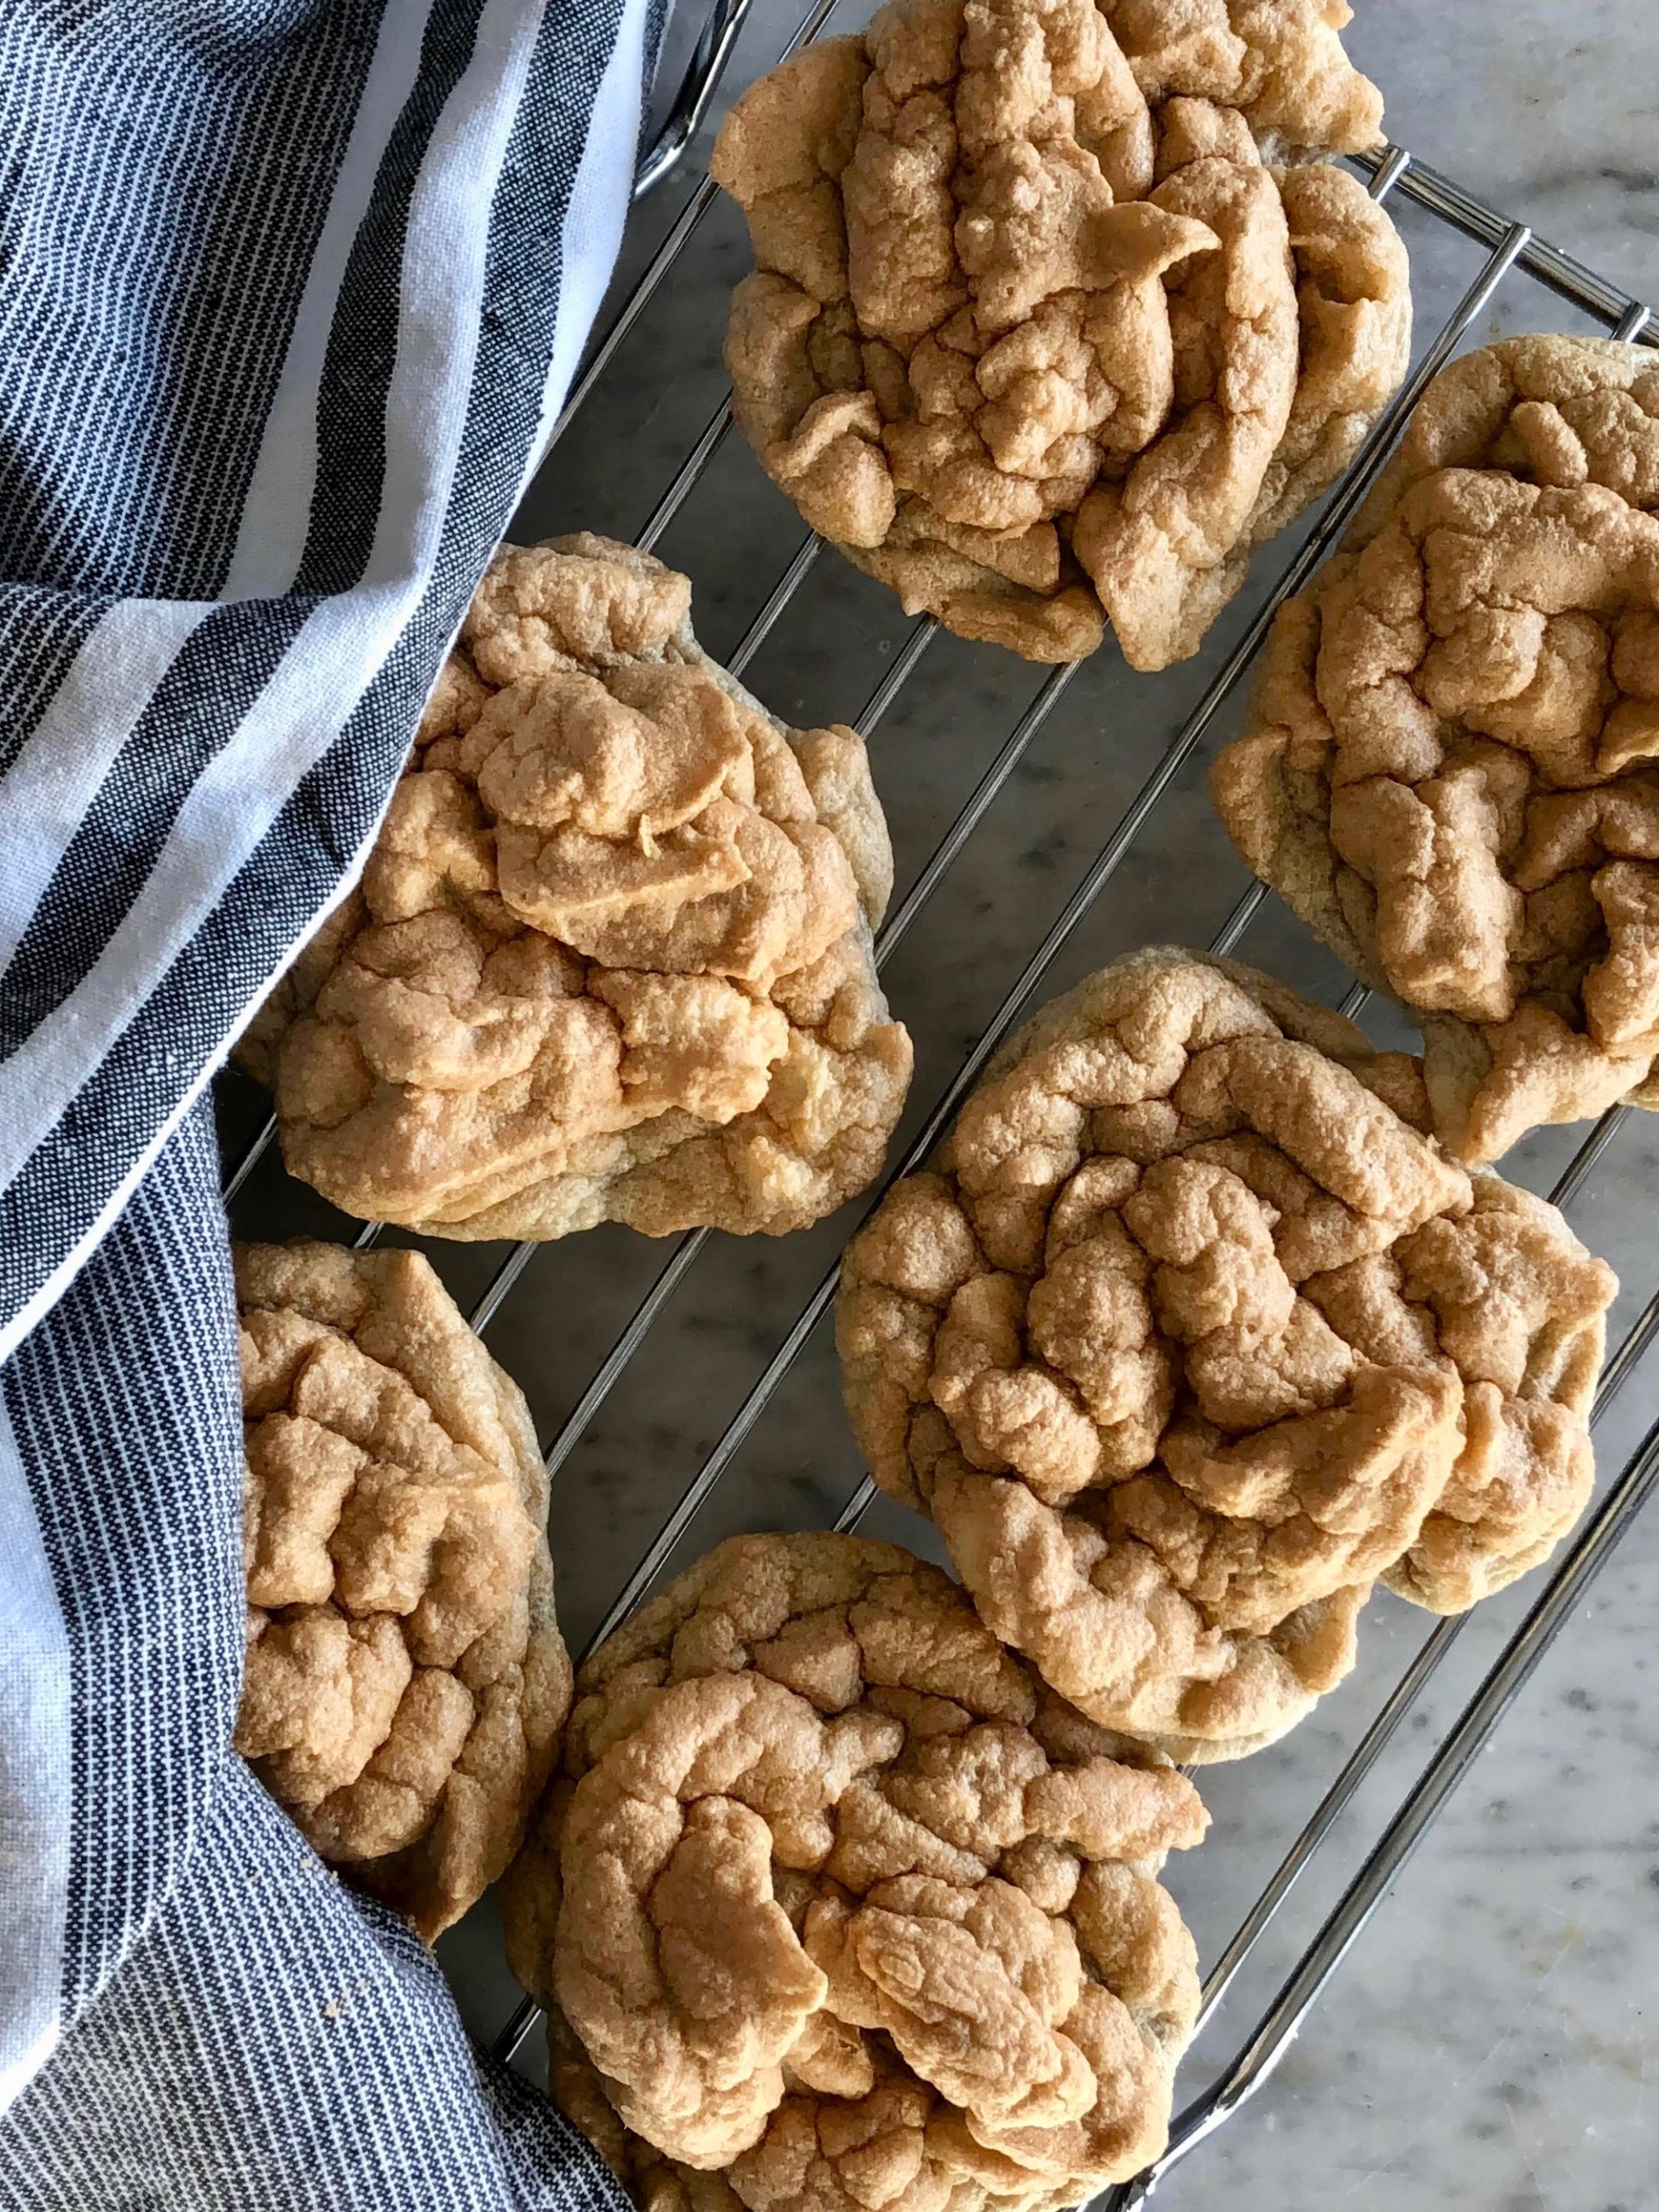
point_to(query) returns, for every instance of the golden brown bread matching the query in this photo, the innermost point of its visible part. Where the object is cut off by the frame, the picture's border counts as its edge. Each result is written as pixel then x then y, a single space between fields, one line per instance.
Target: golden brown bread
pixel 841 1906
pixel 1192 1337
pixel 406 1681
pixel 1037 335
pixel 610 959
pixel 1449 767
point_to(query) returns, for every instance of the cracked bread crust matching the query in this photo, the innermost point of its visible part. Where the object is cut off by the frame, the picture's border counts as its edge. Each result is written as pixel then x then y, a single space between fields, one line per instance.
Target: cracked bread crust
pixel 610 959
pixel 1192 1337
pixel 1449 768
pixel 406 1682
pixel 1036 335
pixel 839 1905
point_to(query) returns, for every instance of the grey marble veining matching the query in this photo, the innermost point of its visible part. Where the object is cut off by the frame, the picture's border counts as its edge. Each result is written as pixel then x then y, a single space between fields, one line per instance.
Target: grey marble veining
pixel 1489 2043
pixel 1545 108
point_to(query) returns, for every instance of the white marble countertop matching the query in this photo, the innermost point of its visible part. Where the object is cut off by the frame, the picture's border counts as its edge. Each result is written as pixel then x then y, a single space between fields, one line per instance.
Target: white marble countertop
pixel 1489 2041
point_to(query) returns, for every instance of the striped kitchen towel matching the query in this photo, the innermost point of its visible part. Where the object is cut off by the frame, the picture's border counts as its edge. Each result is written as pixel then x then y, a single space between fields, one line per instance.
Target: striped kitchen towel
pixel 293 290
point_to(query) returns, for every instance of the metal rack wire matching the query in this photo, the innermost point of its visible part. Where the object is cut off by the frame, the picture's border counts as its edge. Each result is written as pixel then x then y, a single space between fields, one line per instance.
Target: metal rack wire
pixel 1510 246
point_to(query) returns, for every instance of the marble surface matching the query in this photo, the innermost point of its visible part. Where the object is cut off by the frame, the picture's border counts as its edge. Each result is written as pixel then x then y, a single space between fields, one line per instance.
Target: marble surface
pixel 1489 2041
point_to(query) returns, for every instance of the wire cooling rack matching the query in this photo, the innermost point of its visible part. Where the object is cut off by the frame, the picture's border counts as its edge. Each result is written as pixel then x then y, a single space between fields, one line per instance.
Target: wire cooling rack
pixel 1511 251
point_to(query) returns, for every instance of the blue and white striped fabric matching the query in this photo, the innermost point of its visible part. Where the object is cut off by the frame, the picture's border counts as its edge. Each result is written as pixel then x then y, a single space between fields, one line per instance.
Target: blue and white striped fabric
pixel 293 290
